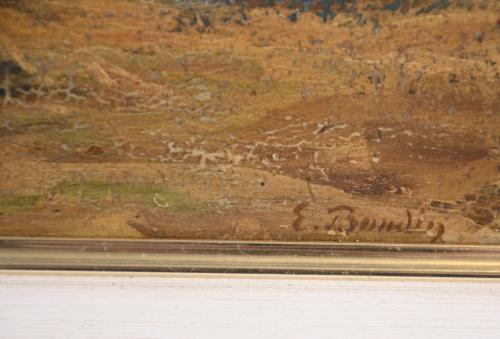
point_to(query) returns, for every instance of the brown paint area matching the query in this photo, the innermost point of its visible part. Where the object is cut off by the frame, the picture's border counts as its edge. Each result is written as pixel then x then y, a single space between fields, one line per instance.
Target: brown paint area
pixel 125 119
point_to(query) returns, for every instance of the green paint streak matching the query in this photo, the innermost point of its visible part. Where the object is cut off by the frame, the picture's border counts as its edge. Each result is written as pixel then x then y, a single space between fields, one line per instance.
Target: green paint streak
pixel 10 203
pixel 146 195
pixel 82 137
pixel 34 123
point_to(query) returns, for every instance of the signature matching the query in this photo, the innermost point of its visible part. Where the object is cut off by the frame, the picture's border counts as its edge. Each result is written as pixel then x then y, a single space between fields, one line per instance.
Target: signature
pixel 344 222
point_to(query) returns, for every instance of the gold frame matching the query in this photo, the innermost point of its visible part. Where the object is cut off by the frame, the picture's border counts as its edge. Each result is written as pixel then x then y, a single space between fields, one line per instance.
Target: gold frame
pixel 250 257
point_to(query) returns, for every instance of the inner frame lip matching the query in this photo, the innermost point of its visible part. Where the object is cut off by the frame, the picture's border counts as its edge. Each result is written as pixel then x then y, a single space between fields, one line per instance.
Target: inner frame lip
pixel 250 257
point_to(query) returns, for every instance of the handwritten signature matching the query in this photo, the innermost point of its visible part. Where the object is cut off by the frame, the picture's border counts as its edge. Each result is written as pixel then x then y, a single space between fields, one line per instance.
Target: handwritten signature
pixel 344 223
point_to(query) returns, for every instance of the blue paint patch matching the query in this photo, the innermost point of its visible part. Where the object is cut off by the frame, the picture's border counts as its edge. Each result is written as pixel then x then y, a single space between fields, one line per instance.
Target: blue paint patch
pixel 393 6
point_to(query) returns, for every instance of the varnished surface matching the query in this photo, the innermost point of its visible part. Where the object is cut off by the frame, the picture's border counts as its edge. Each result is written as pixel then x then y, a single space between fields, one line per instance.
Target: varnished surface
pixel 62 305
pixel 132 119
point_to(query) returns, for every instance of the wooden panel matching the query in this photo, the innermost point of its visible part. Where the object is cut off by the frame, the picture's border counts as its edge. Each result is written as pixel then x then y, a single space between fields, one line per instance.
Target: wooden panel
pixel 373 121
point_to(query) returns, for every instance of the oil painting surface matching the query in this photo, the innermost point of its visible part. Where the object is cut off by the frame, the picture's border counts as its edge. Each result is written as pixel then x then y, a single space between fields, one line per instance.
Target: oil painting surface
pixel 251 120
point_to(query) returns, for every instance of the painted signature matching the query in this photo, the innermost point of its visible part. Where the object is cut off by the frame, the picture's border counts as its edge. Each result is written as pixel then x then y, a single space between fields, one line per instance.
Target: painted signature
pixel 344 222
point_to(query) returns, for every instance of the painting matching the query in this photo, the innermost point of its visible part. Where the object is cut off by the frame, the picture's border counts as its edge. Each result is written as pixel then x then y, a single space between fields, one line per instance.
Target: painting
pixel 251 120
